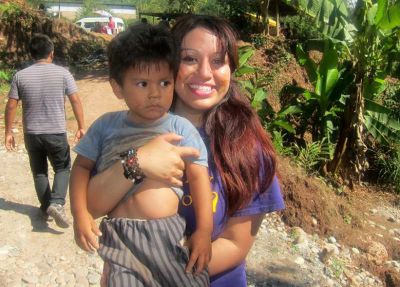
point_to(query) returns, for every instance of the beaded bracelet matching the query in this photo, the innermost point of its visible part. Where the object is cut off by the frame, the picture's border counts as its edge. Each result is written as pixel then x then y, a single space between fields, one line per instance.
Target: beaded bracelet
pixel 132 170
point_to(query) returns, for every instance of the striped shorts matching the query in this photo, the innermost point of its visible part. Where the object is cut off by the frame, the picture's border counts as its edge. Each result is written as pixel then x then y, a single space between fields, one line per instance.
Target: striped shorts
pixel 147 253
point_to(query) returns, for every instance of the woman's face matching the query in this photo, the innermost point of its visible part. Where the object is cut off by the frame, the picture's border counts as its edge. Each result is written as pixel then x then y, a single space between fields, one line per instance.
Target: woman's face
pixel 204 73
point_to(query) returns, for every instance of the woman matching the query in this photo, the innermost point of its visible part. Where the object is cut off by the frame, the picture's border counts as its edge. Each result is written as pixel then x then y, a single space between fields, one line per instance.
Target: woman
pixel 242 160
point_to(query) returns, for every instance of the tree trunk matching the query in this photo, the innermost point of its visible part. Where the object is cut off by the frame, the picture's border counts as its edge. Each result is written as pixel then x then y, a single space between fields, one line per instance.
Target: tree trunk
pixel 349 158
pixel 277 18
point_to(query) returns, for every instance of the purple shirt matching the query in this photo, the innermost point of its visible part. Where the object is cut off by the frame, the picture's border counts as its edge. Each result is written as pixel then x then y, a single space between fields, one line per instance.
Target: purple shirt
pixel 269 201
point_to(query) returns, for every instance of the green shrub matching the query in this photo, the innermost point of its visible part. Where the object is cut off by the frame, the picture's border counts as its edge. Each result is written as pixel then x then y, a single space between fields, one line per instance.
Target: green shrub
pixel 312 155
pixel 388 163
pixel 391 98
pixel 300 28
pixel 279 144
pixel 259 40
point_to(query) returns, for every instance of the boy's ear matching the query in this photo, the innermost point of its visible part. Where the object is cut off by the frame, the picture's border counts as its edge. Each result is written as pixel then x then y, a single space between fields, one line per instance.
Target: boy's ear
pixel 117 89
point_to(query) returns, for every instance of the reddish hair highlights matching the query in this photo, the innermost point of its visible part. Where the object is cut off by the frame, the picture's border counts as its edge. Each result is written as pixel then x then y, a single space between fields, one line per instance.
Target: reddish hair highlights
pixel 241 149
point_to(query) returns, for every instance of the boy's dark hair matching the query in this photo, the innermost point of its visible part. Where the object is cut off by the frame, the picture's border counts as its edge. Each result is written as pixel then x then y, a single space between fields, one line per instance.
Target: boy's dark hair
pixel 40 46
pixel 140 46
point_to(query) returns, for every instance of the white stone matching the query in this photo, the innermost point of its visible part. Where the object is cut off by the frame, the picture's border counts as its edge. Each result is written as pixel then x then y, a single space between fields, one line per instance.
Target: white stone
pixel 93 278
pixel 299 260
pixel 332 239
pixel 30 279
pixel 314 221
pixel 355 250
pixel 373 211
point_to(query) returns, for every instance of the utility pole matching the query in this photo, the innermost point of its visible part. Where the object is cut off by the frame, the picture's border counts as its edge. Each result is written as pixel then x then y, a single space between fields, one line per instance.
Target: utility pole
pixel 59 9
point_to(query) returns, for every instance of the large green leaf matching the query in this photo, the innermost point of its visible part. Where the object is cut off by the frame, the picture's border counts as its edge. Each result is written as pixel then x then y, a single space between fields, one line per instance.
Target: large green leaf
pixel 244 70
pixel 285 125
pixel 245 52
pixel 259 96
pixel 381 129
pixel 381 11
pixel 328 69
pixel 375 107
pixel 379 123
pixel 392 18
pixel 290 110
pixel 374 87
pixel 305 61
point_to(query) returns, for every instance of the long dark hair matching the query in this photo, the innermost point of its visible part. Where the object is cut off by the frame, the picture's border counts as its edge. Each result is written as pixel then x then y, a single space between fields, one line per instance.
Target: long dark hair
pixel 241 149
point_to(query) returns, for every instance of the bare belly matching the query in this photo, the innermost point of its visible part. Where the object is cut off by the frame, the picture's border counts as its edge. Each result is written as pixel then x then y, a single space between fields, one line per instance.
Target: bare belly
pixel 151 201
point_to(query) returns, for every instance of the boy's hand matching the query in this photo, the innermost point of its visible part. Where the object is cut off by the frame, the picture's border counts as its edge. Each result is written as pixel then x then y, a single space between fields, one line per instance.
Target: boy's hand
pixel 200 251
pixel 86 232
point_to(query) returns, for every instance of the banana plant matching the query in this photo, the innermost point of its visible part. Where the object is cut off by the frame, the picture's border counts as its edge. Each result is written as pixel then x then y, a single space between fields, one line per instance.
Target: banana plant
pixel 368 35
pixel 320 108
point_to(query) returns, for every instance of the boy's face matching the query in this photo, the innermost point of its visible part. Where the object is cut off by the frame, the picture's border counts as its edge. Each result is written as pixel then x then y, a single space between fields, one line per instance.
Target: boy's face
pixel 148 92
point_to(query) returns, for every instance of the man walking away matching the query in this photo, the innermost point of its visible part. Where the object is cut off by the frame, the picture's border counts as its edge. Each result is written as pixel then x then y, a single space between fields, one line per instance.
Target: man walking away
pixel 42 88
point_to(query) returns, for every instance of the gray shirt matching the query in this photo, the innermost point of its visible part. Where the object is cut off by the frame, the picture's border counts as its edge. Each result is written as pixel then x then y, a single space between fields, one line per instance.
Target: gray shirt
pixel 42 88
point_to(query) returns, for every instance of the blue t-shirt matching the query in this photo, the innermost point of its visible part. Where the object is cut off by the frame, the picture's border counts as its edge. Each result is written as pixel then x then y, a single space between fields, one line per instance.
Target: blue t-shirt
pixel 113 133
pixel 268 201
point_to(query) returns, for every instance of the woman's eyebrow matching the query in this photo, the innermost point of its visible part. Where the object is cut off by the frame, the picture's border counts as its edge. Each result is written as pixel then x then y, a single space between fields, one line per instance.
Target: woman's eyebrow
pixel 188 49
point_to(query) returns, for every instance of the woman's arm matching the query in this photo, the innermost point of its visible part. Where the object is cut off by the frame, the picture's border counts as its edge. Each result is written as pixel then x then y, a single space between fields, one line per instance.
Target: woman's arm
pixel 233 245
pixel 159 159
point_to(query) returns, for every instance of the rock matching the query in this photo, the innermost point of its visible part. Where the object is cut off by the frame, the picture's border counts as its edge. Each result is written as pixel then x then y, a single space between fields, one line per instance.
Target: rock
pixel 8 250
pixel 392 219
pixel 355 250
pixel 328 251
pixel 332 239
pixel 298 235
pixel 93 278
pixel 299 260
pixel 30 279
pixel 381 227
pixel 376 252
pixel 314 221
pixel 394 231
pixel 373 211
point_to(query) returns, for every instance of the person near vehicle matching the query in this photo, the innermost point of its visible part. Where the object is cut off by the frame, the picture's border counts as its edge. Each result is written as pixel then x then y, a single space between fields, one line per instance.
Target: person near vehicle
pixel 41 88
pixel 111 25
pixel 241 157
pixel 142 239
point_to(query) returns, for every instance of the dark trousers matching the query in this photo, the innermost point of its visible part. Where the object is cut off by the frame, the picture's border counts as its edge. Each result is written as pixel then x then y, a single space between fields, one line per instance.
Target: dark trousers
pixel 55 148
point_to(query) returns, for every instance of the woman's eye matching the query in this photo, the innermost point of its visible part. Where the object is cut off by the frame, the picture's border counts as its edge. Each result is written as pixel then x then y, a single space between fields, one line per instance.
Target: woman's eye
pixel 188 59
pixel 165 83
pixel 142 84
pixel 219 61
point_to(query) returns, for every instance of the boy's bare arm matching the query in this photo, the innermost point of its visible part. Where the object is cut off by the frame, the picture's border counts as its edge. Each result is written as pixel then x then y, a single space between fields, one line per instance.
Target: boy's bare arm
pixel 85 229
pixel 79 180
pixel 200 242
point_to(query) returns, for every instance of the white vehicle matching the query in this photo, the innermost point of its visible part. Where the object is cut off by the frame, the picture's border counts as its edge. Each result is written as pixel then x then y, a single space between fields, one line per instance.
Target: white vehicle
pixel 95 24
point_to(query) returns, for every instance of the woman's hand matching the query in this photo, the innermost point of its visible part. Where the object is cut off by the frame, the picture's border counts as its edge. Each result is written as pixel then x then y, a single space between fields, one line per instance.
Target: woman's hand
pixel 161 160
